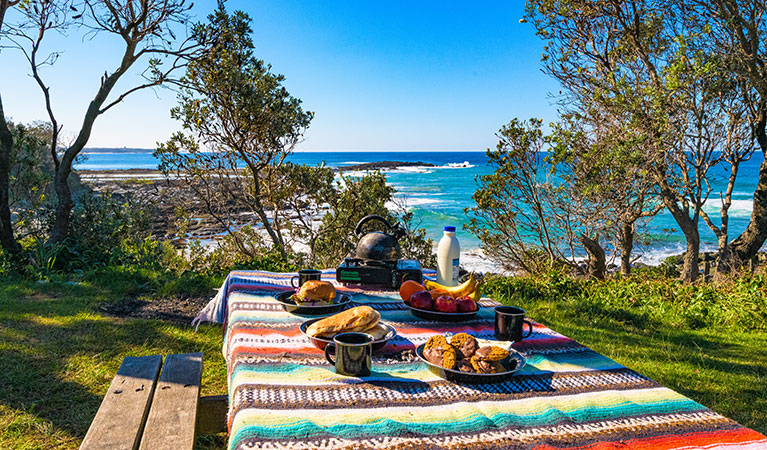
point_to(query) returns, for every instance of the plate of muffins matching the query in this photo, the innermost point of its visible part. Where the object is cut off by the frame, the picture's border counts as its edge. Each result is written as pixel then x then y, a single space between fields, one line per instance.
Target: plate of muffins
pixel 463 359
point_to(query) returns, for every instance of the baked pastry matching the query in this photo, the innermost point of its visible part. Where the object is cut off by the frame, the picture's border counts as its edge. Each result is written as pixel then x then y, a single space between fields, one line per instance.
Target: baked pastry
pixel 438 352
pixel 482 366
pixel 465 344
pixel 435 341
pixel 315 292
pixel 378 332
pixel 359 319
pixel 491 353
pixel 464 365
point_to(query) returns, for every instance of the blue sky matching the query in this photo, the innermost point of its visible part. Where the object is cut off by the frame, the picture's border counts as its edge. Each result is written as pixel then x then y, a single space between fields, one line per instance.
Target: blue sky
pixel 379 75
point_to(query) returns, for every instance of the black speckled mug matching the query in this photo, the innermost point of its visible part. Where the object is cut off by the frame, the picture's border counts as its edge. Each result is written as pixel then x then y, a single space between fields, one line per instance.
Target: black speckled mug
pixel 353 354
pixel 509 321
pixel 304 276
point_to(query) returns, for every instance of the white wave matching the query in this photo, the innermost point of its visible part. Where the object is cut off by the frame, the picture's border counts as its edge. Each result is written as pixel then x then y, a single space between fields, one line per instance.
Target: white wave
pixel 355 173
pixel 463 165
pixel 655 255
pixel 475 260
pixel 352 162
pixel 411 169
pixel 738 208
pixel 420 201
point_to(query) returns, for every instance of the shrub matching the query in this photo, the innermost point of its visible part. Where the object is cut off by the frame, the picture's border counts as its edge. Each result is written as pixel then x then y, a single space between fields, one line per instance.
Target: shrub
pixel 639 302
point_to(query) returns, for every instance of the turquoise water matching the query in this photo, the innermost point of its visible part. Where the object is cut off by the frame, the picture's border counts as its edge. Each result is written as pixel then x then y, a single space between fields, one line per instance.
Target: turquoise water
pixel 438 195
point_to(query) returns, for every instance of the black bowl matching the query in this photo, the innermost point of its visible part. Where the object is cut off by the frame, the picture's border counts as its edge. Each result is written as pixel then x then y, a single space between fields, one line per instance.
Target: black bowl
pixel 320 343
pixel 339 303
pixel 443 316
pixel 513 363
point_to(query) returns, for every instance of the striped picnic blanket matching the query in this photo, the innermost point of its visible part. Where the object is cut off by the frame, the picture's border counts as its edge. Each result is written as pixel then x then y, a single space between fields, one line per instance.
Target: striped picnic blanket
pixel 283 394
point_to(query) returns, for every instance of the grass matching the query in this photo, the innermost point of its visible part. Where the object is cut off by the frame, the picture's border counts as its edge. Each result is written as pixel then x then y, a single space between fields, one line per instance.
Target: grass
pixel 58 352
pixel 722 366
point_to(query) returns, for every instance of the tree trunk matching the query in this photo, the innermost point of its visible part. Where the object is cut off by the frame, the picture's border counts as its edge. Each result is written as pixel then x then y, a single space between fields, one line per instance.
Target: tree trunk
pixel 689 228
pixel 726 262
pixel 745 246
pixel 64 206
pixel 690 269
pixel 7 240
pixel 597 260
pixel 261 212
pixel 627 246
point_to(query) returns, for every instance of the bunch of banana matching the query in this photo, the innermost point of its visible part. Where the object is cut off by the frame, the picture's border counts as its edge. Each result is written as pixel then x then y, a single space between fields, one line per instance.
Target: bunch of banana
pixel 470 288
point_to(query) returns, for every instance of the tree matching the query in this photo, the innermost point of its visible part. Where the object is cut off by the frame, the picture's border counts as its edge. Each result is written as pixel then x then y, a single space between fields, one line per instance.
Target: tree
pixel 146 28
pixel 737 30
pixel 7 239
pixel 528 216
pixel 643 64
pixel 605 167
pixel 245 120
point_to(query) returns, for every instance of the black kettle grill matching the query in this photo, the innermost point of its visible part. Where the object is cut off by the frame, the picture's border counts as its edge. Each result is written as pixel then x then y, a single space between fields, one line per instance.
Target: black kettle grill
pixel 377 260
pixel 377 245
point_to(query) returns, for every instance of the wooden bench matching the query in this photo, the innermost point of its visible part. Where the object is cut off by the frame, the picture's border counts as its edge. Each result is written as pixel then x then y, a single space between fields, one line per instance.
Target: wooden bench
pixel 142 411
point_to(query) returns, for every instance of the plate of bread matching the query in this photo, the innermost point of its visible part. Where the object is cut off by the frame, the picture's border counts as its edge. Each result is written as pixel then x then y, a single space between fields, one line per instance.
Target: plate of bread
pixel 362 319
pixel 314 297
pixel 463 359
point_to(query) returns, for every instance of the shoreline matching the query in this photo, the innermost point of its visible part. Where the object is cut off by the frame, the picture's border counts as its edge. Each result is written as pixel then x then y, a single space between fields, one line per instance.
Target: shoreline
pixel 151 185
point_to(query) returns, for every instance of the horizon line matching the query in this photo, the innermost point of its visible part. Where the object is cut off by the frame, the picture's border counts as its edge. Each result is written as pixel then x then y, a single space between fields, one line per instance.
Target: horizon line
pixel 149 150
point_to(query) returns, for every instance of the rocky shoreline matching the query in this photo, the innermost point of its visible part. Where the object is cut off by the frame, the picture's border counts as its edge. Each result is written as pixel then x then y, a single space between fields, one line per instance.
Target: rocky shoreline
pixel 379 165
pixel 149 186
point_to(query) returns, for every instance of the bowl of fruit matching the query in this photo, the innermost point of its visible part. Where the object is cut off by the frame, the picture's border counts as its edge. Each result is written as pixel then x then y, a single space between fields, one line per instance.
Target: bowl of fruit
pixel 433 301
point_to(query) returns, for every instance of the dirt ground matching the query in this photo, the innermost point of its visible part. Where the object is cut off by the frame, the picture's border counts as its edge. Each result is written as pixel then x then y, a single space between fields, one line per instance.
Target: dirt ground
pixel 170 309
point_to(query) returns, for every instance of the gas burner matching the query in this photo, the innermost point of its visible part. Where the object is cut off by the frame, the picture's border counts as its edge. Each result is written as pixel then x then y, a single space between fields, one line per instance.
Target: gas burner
pixel 371 272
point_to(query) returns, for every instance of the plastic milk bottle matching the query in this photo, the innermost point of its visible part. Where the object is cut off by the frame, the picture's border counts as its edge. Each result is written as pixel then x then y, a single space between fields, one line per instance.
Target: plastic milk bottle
pixel 448 258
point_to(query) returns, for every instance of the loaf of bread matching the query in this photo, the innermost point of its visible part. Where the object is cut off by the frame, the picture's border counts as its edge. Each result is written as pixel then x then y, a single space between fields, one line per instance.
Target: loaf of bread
pixel 360 319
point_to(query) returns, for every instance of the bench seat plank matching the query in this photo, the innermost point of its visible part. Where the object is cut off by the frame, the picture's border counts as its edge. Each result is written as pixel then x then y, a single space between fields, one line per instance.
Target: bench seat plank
pixel 211 414
pixel 119 421
pixel 172 417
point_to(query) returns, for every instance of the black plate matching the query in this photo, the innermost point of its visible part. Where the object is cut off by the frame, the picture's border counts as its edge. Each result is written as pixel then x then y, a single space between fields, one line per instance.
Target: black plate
pixel 442 316
pixel 320 343
pixel 339 303
pixel 514 362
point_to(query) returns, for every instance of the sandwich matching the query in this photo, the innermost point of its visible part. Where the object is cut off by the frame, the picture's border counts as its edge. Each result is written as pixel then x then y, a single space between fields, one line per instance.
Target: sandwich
pixel 360 319
pixel 315 293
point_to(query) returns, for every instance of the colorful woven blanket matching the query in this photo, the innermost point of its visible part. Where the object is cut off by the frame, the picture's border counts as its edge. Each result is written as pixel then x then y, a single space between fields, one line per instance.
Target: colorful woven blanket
pixel 283 394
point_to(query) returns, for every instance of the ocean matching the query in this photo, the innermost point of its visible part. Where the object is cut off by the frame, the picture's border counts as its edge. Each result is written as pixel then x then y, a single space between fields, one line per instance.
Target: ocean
pixel 438 195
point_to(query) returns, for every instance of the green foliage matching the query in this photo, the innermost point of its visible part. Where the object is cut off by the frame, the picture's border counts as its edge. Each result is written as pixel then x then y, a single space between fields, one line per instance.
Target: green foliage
pixel 639 301
pixel 356 198
pixel 31 167
pixel 108 233
pixel 359 197
pixel 528 216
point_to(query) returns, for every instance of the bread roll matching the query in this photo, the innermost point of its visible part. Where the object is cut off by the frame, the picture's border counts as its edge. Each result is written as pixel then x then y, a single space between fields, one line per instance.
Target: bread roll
pixel 316 292
pixel 378 332
pixel 360 319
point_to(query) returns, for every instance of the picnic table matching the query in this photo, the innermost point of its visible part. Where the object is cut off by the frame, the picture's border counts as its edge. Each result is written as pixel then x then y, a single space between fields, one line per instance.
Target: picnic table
pixel 283 394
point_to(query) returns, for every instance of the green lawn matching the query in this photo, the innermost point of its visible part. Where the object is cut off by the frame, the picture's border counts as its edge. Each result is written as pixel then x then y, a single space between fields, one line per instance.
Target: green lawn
pixel 58 354
pixel 721 367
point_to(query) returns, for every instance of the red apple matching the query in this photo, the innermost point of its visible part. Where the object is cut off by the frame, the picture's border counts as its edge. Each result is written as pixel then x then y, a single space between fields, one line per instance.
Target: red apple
pixel 446 304
pixel 466 304
pixel 421 300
